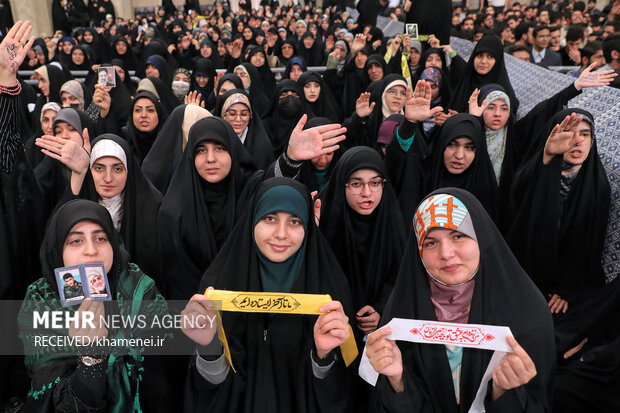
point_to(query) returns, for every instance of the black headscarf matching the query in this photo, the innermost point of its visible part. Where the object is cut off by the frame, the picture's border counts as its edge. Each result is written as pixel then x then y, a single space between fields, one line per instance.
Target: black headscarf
pixel 548 233
pixel 163 92
pixel 85 64
pixel 54 177
pixel 407 171
pixel 196 217
pixel 258 94
pixel 290 42
pixel 165 74
pixel 325 106
pixel 277 376
pixel 128 57
pixel 314 55
pixel 257 141
pixel 268 80
pixel 206 68
pixel 472 80
pixel 141 142
pixel 140 207
pixel 281 121
pixel 368 247
pixel 162 159
pixel 57 77
pixel 295 60
pixel 479 178
pixel 228 77
pixel 503 295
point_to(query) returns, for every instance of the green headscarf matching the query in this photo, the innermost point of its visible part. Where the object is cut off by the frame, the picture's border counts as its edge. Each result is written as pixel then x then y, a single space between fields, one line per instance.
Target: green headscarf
pixel 280 276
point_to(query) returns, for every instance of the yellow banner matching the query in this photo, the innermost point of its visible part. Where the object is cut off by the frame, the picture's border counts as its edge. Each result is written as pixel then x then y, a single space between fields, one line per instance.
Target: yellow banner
pixel 278 303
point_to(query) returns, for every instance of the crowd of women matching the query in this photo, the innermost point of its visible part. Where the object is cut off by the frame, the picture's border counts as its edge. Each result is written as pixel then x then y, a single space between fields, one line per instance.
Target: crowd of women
pixel 398 180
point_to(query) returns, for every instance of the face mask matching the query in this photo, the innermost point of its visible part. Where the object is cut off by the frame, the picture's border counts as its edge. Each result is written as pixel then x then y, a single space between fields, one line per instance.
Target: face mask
pixel 289 105
pixel 180 88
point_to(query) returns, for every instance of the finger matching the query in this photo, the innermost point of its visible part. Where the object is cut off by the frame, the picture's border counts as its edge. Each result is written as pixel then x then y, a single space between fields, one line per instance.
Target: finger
pixel 553 299
pixel 313 194
pixel 86 139
pixel 331 306
pixel 300 125
pixel 330 143
pixel 29 44
pixel 329 127
pixel 564 306
pixel 14 29
pixel 436 110
pixel 25 37
pixel 365 309
pixel 589 68
pixel 22 29
pixel 377 335
pixel 520 351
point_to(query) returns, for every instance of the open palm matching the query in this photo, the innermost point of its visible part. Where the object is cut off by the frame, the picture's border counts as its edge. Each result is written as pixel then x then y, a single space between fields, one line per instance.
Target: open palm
pixel 14 48
pixel 310 143
pixel 418 106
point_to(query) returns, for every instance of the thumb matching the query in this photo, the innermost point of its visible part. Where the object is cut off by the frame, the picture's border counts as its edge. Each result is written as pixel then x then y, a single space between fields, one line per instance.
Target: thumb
pixel 317 211
pixel 86 139
pixel 300 124
pixel 372 105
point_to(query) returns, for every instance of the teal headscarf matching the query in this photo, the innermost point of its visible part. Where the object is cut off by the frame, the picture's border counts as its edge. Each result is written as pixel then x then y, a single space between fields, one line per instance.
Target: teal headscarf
pixel 280 276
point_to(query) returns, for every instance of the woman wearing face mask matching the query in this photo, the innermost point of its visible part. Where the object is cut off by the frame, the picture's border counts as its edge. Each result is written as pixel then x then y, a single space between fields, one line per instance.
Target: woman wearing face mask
pixel 361 220
pixel 252 84
pixel 458 268
pixel 460 159
pixel 181 83
pixel 162 159
pixel 485 66
pixel 88 377
pixel 286 110
pixel 147 117
pixel 210 190
pixel 317 98
pixel 299 369
pixel 565 192
pixel 388 97
pixel 203 78
pixel 234 106
pixel 113 179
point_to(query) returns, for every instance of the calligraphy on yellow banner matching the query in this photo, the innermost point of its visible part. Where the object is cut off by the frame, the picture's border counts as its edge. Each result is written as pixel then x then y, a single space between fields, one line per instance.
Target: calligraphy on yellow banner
pixel 278 303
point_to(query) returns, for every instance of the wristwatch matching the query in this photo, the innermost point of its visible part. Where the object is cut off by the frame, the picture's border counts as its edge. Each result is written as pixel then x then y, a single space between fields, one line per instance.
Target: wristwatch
pixel 91 361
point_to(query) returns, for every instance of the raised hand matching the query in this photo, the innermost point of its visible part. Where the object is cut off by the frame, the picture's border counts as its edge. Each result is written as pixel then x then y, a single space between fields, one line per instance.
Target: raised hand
pixel 418 106
pixel 13 51
pixel 396 42
pixel 193 98
pixel 433 41
pixel 71 154
pixel 407 44
pixel 363 107
pixel 514 370
pixel 441 117
pixel 385 357
pixel 563 137
pixel 331 328
pixel 102 98
pixel 198 320
pixel 474 108
pixel 306 144
pixel 589 79
pixel 358 43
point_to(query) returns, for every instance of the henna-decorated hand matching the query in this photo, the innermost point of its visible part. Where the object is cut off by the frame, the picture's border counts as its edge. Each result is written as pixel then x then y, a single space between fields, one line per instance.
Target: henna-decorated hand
pixel 13 51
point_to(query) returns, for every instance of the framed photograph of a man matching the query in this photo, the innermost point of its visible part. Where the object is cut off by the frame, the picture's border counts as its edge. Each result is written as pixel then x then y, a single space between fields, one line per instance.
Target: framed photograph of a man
pixel 106 76
pixel 97 282
pixel 70 285
pixel 412 30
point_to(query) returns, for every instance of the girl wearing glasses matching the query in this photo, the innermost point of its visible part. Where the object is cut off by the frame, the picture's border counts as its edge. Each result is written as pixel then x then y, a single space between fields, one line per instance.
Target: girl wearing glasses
pixel 362 222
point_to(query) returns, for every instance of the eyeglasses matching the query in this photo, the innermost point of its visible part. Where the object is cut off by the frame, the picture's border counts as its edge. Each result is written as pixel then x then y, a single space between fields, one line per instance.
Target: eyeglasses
pixel 396 92
pixel 231 114
pixel 356 187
